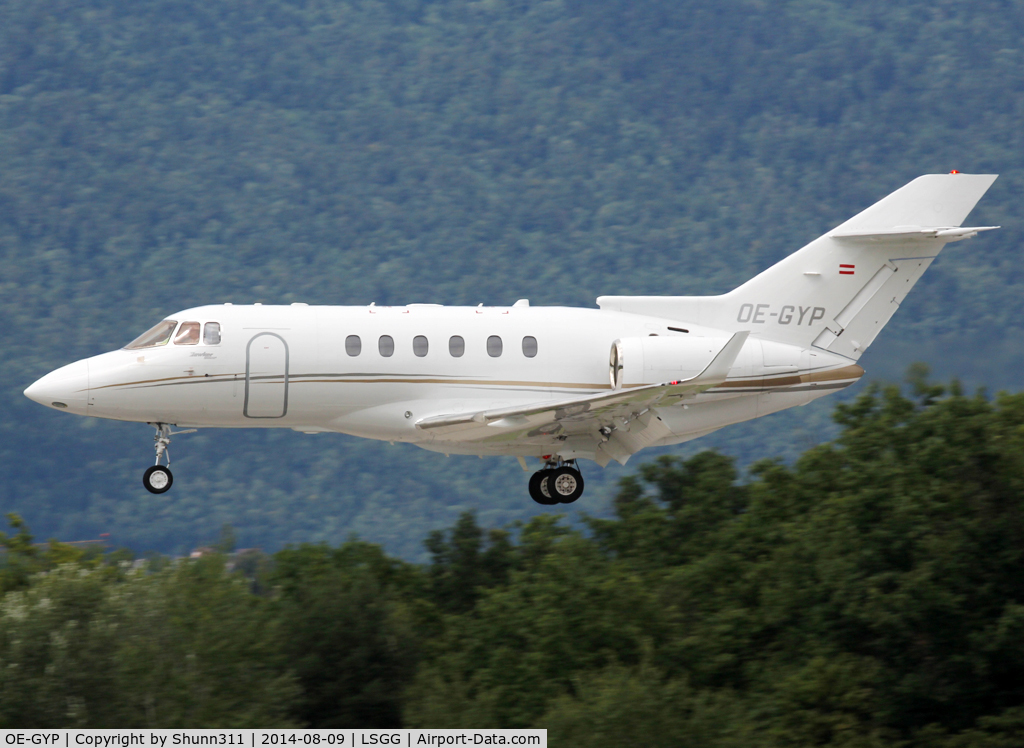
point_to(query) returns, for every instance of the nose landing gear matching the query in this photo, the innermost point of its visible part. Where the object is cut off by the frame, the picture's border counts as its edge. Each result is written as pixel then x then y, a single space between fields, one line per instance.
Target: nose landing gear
pixel 158 478
pixel 558 483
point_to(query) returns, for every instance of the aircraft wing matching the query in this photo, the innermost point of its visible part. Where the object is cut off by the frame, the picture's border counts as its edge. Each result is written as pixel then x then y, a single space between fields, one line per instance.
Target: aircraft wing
pixel 602 426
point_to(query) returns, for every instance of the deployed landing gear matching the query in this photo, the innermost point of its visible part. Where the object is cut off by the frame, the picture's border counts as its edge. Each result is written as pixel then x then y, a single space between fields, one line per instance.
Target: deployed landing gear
pixel 158 478
pixel 557 483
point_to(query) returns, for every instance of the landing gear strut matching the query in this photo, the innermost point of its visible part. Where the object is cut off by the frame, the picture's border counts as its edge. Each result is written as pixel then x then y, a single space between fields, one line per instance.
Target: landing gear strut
pixel 558 483
pixel 158 478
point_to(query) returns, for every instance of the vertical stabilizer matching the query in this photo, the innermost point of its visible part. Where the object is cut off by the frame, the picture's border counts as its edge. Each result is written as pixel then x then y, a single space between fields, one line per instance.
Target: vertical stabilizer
pixel 838 292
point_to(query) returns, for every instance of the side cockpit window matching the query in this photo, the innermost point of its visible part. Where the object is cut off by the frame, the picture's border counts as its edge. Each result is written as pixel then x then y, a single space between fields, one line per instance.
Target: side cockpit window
pixel 188 334
pixel 160 334
pixel 211 333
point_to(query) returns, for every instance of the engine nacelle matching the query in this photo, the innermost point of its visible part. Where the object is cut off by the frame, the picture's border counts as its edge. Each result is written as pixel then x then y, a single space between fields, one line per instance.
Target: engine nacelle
pixel 656 359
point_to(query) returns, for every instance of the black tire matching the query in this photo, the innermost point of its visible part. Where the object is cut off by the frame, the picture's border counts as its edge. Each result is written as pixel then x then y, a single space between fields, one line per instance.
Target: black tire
pixel 538 488
pixel 565 485
pixel 157 479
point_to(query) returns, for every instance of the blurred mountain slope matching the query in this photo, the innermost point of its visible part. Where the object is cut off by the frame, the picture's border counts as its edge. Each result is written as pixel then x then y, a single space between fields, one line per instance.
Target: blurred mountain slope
pixel 158 154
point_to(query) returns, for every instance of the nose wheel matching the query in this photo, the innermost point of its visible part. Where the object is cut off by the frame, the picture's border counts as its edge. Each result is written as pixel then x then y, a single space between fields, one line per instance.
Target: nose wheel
pixel 557 483
pixel 158 478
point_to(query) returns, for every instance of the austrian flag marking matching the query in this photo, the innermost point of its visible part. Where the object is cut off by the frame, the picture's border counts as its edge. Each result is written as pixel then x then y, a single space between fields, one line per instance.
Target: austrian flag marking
pixel 846 269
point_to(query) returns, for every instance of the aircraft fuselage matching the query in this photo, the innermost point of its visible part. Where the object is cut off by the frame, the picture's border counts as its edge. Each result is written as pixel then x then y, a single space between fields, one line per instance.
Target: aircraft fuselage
pixel 376 371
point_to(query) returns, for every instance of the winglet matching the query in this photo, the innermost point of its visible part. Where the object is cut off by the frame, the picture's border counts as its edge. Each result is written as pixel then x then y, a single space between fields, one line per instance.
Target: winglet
pixel 717 371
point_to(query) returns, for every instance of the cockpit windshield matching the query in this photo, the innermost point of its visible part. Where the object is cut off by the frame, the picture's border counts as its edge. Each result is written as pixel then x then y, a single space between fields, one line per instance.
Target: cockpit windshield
pixel 158 335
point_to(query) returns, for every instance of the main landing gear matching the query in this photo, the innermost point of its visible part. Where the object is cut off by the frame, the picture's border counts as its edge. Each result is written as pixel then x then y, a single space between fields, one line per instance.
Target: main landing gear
pixel 558 483
pixel 158 478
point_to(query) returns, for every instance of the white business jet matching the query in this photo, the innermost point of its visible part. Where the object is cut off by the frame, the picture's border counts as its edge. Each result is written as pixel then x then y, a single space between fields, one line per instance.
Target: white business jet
pixel 560 384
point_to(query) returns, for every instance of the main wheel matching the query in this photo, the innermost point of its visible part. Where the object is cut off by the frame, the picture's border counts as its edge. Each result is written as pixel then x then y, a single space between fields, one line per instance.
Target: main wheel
pixel 157 479
pixel 565 485
pixel 539 491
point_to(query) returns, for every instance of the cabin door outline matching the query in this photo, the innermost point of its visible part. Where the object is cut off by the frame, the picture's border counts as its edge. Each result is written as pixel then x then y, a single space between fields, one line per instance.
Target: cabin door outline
pixel 265 396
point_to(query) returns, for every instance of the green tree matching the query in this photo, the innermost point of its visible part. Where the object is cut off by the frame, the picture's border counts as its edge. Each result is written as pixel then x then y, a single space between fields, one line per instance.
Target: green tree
pixel 461 565
pixel 564 610
pixel 188 646
pixel 21 557
pixel 868 595
pixel 678 520
pixel 637 706
pixel 197 648
pixel 353 624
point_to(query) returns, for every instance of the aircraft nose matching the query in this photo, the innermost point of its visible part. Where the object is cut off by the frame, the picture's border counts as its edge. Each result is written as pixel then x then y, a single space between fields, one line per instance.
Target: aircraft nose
pixel 66 388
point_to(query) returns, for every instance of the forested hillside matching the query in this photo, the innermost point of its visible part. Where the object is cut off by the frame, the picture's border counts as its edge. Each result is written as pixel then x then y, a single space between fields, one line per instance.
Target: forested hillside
pixel 871 595
pixel 158 154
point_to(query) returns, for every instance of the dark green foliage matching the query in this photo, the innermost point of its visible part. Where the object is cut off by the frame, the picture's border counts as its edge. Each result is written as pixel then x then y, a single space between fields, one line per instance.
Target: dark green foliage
pixel 638 706
pixel 461 565
pixel 186 647
pixel 692 499
pixel 352 627
pixel 869 595
pixel 568 610
pixel 21 558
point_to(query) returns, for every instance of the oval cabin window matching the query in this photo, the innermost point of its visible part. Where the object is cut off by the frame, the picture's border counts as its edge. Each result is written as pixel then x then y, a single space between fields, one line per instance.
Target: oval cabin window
pixel 353 345
pixel 420 346
pixel 456 346
pixel 386 345
pixel 529 346
pixel 494 346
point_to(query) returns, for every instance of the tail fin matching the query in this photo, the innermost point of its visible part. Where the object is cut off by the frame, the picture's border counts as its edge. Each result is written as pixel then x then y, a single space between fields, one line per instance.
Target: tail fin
pixel 839 291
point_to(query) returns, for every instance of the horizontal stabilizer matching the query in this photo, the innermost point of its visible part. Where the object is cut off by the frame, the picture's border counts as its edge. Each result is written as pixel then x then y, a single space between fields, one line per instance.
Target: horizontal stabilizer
pixel 931 200
pixel 903 233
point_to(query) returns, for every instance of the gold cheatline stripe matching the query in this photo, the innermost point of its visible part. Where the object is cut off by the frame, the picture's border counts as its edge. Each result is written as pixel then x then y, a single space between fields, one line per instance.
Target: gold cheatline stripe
pixel 298 379
pixel 504 383
pixel 193 377
pixel 830 375
pixel 853 371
